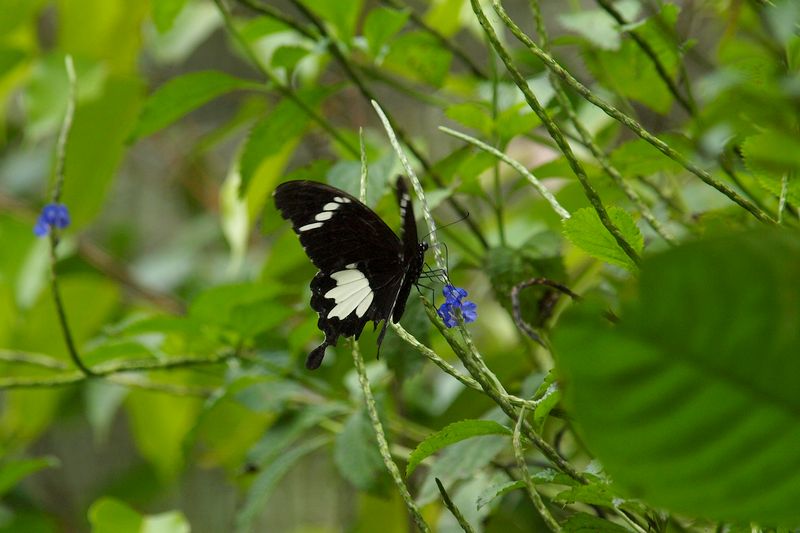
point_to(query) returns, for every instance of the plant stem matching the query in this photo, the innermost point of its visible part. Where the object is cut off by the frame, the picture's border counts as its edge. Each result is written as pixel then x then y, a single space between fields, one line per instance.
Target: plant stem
pixel 555 133
pixel 61 156
pixel 648 50
pixel 626 120
pixel 588 140
pixel 434 358
pixel 282 88
pixel 519 167
pixel 462 56
pixel 383 445
pixel 453 509
pixel 426 212
pixel 526 476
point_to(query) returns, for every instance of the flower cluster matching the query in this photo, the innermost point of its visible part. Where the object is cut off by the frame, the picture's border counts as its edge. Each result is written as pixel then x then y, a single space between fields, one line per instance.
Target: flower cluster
pixel 53 215
pixel 454 297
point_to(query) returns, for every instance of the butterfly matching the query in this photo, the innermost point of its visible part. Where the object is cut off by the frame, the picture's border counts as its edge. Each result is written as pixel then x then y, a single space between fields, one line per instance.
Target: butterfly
pixel 365 271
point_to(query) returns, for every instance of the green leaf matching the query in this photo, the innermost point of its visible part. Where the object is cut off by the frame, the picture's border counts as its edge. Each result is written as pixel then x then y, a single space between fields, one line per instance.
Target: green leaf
pixel 639 158
pixel 267 480
pixel 381 25
pixel 165 12
pixel 159 424
pixel 699 411
pixel 451 434
pixel 445 16
pixel 181 95
pixel 342 15
pixel 585 231
pixel 473 115
pixel 14 471
pixel 630 72
pixel 356 455
pixel 592 494
pixel 770 156
pixel 586 523
pixel 420 56
pixel 102 122
pixel 109 515
pixel 279 127
pixel 495 491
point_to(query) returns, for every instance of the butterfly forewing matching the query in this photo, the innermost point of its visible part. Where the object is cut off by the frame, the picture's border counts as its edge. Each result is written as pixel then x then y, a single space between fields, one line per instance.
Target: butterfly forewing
pixel 363 265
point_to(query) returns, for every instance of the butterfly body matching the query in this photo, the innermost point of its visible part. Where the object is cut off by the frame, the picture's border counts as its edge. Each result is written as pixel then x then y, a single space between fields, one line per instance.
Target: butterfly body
pixel 365 271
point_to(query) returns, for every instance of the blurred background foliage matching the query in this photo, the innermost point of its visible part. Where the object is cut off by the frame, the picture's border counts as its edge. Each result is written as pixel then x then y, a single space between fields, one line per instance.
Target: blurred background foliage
pixel 190 112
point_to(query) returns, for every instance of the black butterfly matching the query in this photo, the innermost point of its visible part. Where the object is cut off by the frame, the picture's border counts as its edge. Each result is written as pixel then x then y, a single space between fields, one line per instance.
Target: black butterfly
pixel 365 270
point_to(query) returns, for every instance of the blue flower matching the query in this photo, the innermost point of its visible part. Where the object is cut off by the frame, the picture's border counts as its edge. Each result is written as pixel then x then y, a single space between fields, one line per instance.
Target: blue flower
pixel 454 302
pixel 53 215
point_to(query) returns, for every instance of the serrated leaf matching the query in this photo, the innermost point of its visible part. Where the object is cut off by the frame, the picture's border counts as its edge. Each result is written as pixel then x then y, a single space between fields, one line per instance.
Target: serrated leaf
pixel 592 494
pixel 584 230
pixel 451 434
pixel 495 491
pixel 686 404
pixel 381 25
pixel 182 94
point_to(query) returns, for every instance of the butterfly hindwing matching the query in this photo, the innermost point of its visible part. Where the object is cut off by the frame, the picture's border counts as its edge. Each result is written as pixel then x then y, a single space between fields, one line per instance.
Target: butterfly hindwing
pixel 363 266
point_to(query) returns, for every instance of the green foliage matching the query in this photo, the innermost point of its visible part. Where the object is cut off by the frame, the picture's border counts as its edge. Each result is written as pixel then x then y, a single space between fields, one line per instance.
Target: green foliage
pixel 664 401
pixel 455 432
pixel 181 95
pixel 108 515
pixel 683 393
pixel 585 231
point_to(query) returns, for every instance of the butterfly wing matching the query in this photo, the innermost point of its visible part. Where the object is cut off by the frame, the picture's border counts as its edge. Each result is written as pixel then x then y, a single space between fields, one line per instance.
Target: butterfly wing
pixel 359 257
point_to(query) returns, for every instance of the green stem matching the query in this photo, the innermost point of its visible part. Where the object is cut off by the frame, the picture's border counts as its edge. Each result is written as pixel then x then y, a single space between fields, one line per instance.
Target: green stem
pixel 453 509
pixel 426 212
pixel 526 476
pixel 460 54
pixel 61 156
pixel 490 385
pixel 588 140
pixel 624 119
pixel 110 369
pixel 383 445
pixel 555 133
pixel 519 167
pixel 282 88
pixel 434 358
pixel 648 50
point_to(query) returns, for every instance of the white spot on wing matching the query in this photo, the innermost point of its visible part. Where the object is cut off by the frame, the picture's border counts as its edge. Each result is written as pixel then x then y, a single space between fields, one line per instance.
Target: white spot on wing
pixel 352 293
pixel 364 305
pixel 349 304
pixel 325 215
pixel 350 265
pixel 347 276
pixel 342 292
pixel 313 225
pixel 330 206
